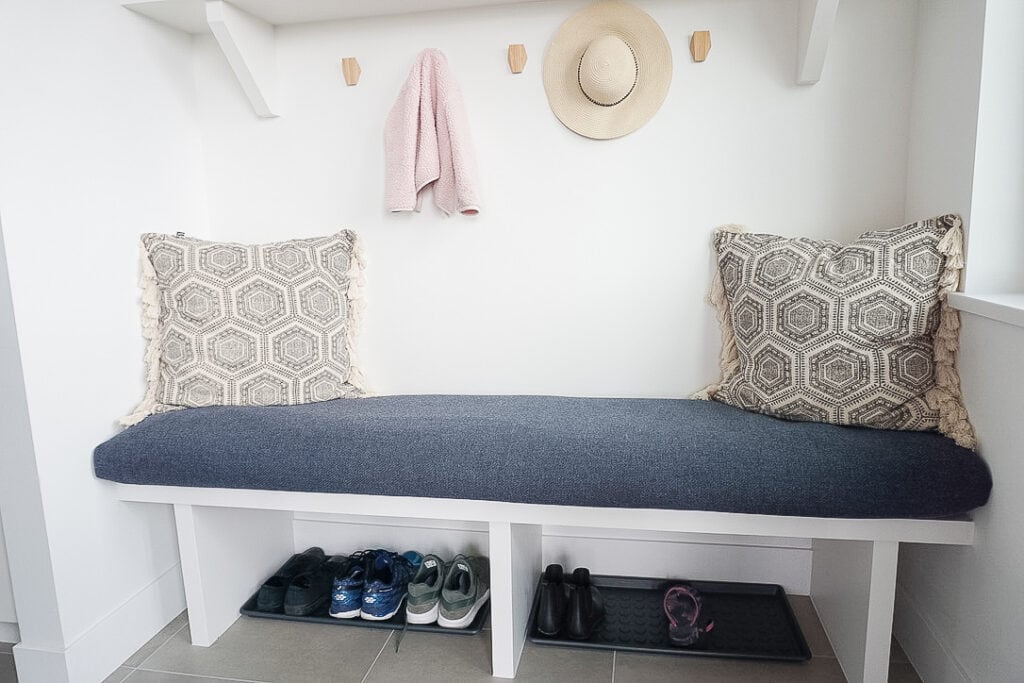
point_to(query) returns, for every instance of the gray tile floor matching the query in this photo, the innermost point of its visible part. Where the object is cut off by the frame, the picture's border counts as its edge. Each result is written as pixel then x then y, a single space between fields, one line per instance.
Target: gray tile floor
pixel 263 650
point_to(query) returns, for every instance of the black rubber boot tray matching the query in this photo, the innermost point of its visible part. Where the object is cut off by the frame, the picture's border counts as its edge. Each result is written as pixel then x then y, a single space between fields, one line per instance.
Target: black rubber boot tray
pixel 752 620
pixel 396 622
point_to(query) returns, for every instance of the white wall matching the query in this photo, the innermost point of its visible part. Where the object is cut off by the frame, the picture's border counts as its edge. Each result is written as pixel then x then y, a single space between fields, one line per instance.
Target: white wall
pixel 99 146
pixel 8 614
pixel 997 241
pixel 8 345
pixel 586 272
pixel 20 497
pixel 944 111
pixel 958 610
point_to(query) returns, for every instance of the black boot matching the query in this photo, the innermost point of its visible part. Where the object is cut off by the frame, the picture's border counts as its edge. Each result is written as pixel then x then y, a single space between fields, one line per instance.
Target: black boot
pixel 586 607
pixel 553 601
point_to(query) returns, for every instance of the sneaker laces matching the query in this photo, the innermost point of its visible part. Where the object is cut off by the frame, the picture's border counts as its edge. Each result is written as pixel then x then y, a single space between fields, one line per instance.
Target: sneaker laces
pixel 355 570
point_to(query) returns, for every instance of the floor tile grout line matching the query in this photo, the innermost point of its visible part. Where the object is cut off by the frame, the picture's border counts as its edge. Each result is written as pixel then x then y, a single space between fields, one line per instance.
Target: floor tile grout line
pixel 161 645
pixel 379 653
pixel 188 675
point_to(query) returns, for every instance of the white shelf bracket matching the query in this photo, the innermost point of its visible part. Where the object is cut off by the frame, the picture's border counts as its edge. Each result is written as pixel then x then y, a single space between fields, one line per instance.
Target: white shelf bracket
pixel 817 18
pixel 248 44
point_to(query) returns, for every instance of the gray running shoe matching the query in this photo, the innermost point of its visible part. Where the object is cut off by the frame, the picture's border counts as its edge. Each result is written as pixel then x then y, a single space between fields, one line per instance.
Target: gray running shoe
pixel 425 591
pixel 467 586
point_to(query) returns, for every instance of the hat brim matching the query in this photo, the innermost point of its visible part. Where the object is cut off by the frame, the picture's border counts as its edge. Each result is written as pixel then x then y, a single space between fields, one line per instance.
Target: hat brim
pixel 561 63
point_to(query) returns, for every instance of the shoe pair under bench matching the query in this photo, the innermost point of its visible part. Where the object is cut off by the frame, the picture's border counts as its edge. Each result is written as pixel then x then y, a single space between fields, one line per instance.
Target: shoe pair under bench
pixel 374 585
pixel 575 608
pixel 302 584
pixel 450 593
pixel 370 584
pixel 571 606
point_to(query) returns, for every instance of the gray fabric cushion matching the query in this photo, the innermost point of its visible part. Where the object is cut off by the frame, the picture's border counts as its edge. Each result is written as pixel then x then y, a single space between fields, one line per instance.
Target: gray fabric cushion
pixel 646 453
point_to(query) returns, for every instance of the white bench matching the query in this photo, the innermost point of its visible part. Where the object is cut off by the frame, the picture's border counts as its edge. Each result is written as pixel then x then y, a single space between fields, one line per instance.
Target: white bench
pixel 231 539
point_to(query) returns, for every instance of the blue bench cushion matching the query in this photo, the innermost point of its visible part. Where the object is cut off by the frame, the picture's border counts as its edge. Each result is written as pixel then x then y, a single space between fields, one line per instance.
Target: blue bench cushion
pixel 605 452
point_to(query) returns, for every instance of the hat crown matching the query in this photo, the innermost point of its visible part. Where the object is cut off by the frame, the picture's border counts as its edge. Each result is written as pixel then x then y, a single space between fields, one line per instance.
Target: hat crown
pixel 607 71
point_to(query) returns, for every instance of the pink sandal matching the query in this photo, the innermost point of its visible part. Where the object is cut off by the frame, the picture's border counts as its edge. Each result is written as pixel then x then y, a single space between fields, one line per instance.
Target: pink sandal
pixel 683 606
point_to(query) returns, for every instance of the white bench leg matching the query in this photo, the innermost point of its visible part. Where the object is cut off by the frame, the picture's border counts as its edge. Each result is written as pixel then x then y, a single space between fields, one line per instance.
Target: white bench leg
pixel 225 554
pixel 853 587
pixel 515 554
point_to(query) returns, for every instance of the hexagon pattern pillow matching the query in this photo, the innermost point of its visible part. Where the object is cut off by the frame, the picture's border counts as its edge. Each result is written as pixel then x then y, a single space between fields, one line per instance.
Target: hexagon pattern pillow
pixel 249 325
pixel 855 334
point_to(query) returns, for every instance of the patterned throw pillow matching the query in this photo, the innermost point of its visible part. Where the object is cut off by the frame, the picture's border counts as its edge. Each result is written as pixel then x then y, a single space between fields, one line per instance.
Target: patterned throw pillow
pixel 855 334
pixel 247 325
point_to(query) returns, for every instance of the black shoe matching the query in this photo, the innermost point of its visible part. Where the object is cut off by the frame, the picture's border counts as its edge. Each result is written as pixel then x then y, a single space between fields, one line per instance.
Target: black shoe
pixel 311 590
pixel 554 599
pixel 586 607
pixel 272 592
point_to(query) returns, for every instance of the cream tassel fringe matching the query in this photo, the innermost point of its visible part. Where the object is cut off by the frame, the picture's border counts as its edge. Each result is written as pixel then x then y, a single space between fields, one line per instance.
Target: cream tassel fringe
pixel 356 306
pixel 945 395
pixel 729 360
pixel 151 333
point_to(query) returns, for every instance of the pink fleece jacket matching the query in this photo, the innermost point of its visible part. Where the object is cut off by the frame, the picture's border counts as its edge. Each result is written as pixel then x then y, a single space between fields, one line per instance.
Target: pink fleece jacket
pixel 426 140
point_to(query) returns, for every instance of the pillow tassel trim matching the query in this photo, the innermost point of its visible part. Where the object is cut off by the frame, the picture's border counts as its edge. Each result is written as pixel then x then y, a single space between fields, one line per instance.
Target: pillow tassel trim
pixel 729 359
pixel 945 396
pixel 151 333
pixel 356 306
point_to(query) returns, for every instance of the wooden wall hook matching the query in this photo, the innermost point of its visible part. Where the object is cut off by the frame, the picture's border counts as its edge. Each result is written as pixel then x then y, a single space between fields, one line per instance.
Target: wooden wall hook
pixel 516 58
pixel 350 68
pixel 700 45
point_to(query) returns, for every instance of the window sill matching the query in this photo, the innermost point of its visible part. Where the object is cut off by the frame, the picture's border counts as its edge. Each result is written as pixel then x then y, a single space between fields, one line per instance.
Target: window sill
pixel 1006 308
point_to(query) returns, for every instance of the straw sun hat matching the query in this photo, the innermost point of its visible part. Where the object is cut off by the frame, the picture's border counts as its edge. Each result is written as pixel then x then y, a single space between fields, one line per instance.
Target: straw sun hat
pixel 607 70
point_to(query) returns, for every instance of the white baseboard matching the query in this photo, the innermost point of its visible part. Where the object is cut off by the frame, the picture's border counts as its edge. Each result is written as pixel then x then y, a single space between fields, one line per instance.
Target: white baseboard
pixel 924 647
pixel 95 654
pixel 39 665
pixel 9 632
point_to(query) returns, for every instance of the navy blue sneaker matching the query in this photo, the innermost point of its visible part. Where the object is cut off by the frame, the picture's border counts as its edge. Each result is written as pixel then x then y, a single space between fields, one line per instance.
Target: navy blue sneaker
pixel 347 593
pixel 387 582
